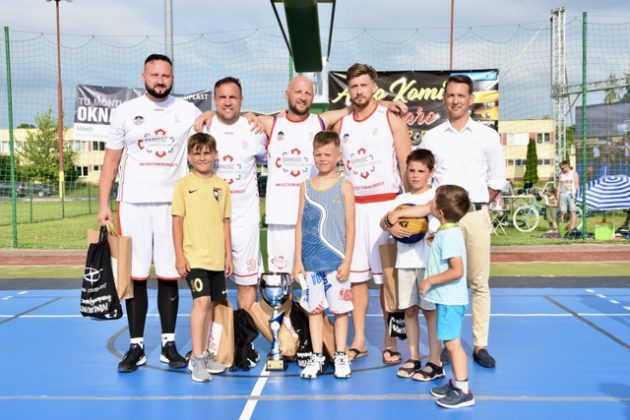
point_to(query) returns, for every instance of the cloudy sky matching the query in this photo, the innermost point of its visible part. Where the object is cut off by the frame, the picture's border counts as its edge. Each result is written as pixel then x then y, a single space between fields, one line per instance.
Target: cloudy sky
pixel 146 17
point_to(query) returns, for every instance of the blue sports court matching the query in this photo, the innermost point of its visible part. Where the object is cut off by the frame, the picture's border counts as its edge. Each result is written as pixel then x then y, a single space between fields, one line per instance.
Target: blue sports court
pixel 561 353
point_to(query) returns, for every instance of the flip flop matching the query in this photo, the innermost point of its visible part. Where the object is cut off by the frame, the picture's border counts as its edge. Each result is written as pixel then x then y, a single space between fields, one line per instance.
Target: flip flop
pixel 388 354
pixel 354 354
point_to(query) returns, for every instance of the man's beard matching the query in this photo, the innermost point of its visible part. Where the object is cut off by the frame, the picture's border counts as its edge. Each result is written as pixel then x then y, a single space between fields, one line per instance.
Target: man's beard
pixel 360 102
pixel 296 111
pixel 158 95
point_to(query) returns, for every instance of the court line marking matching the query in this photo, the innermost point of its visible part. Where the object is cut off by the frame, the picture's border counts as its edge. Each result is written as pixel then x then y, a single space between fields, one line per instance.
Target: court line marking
pixel 321 397
pixel 21 314
pixel 589 323
pixel 255 395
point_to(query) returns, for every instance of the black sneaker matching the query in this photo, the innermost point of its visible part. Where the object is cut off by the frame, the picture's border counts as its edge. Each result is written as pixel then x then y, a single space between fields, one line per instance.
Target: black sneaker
pixel 133 358
pixel 456 398
pixel 172 357
pixel 483 358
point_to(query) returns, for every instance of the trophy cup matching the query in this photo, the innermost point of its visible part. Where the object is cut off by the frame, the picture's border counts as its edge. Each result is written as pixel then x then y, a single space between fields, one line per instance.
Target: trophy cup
pixel 275 289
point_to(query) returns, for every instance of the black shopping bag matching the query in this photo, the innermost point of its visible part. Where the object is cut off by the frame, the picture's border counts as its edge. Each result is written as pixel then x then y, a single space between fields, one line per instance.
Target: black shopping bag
pixel 99 298
pixel 396 325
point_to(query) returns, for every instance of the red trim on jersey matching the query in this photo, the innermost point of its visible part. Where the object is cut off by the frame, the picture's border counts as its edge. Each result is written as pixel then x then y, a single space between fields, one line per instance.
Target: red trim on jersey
pixel 140 278
pixel 297 121
pixel 389 122
pixel 375 198
pixel 354 117
pixel 245 275
pixel 359 271
pixel 169 278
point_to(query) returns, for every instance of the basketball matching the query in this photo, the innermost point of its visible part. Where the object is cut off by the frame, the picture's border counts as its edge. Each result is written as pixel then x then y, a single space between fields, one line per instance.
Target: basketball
pixel 418 226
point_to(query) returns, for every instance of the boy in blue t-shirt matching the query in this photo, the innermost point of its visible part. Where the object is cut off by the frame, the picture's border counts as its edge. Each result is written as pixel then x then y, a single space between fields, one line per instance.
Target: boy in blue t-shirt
pixel 445 285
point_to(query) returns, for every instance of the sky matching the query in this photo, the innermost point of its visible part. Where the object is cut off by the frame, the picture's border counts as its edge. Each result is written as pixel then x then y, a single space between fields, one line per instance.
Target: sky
pixel 142 18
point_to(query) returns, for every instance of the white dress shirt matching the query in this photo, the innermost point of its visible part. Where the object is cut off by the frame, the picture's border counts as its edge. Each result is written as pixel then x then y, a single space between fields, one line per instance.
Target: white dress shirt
pixel 471 158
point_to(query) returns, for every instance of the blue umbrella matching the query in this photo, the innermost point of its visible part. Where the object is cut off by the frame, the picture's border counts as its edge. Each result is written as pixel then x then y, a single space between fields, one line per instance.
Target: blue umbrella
pixel 607 193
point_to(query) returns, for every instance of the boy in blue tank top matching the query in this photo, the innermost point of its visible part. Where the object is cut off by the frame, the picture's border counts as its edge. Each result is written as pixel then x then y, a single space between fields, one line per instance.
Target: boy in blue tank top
pixel 324 240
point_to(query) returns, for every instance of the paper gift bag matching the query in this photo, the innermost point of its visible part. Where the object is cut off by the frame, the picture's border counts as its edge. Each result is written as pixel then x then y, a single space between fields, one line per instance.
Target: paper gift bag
pixel 390 278
pixel 288 339
pixel 221 337
pixel 120 249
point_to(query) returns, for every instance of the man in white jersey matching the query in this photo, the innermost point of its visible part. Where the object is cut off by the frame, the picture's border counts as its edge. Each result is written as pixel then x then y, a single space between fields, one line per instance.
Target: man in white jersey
pixel 147 149
pixel 239 150
pixel 375 144
pixel 469 154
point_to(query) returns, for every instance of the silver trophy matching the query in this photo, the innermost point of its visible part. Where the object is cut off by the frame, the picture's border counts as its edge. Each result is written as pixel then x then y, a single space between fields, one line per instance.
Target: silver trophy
pixel 275 289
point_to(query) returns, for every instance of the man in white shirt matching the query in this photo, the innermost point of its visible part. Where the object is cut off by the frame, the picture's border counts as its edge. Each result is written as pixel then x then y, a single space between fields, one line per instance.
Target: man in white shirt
pixel 239 150
pixel 147 149
pixel 469 154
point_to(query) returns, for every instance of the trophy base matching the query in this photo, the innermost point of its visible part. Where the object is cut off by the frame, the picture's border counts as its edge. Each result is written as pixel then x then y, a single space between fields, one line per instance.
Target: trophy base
pixel 276 365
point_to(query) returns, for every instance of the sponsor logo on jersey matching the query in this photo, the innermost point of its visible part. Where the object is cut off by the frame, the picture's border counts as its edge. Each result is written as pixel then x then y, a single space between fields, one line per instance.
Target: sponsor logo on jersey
pixel 361 163
pixel 280 136
pixel 138 120
pixel 216 192
pixel 293 162
pixel 158 143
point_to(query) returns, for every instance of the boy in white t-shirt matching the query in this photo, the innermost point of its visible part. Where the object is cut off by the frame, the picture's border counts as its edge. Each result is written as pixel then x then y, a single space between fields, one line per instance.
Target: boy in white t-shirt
pixel 410 263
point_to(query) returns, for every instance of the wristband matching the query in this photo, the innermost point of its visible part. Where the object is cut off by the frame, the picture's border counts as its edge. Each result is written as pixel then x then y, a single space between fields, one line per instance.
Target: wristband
pixel 387 223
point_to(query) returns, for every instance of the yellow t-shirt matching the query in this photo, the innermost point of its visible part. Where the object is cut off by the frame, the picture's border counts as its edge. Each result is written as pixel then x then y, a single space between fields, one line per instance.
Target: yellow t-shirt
pixel 203 203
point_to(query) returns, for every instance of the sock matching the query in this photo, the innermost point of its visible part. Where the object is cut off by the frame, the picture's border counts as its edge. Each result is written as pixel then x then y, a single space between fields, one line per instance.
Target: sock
pixel 463 385
pixel 167 337
pixel 138 340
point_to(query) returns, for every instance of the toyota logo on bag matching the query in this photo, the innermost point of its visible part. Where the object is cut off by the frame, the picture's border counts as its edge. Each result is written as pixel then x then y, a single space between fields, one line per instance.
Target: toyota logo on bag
pixel 91 275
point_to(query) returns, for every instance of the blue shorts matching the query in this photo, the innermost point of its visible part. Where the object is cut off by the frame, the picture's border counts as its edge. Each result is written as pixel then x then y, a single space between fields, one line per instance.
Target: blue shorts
pixel 449 321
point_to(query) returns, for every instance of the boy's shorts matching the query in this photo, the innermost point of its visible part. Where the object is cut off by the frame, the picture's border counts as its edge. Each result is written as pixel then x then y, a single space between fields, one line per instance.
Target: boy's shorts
pixel 567 202
pixel 449 321
pixel 207 283
pixel 323 291
pixel 408 293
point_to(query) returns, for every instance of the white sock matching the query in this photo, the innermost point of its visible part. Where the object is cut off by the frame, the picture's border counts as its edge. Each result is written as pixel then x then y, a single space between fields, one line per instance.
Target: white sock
pixel 463 385
pixel 138 340
pixel 167 337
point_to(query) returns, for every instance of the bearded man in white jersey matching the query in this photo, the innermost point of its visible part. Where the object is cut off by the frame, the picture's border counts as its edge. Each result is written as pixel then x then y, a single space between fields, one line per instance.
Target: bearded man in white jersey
pixel 147 149
pixel 375 144
pixel 239 150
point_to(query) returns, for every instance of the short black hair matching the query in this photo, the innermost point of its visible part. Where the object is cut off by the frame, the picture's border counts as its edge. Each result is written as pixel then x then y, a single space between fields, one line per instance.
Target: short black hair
pixel 423 156
pixel 227 80
pixel 461 78
pixel 158 57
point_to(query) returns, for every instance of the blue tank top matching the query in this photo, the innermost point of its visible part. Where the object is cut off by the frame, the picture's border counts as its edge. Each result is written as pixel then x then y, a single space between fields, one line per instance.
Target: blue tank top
pixel 323 227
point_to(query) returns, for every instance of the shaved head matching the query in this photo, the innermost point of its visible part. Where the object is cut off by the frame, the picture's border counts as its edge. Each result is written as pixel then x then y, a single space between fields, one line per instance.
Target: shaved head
pixel 299 96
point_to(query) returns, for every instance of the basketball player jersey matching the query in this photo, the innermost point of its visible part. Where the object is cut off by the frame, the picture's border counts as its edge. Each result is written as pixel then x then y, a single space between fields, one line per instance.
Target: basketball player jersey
pixel 152 136
pixel 239 149
pixel 323 227
pixel 290 152
pixel 369 155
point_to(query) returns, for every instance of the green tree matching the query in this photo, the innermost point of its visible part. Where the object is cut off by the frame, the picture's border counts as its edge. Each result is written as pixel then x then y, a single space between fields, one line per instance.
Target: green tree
pixel 531 169
pixel 626 93
pixel 611 91
pixel 38 155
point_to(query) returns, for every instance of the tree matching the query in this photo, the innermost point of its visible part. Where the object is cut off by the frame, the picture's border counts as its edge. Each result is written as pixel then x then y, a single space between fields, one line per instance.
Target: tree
pixel 626 93
pixel 611 91
pixel 39 157
pixel 531 169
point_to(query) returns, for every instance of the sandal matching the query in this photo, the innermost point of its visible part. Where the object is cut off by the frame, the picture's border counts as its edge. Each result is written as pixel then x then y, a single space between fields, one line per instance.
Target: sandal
pixel 389 354
pixel 354 354
pixel 407 372
pixel 424 376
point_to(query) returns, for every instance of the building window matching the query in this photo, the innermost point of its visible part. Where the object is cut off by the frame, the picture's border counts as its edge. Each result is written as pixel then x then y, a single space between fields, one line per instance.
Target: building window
pixel 96 168
pixel 510 162
pixel 543 138
pixel 517 139
pixel 82 170
pixel 98 146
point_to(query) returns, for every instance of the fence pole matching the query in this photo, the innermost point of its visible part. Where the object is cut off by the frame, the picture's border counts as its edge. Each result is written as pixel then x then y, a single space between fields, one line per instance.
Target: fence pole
pixel 14 242
pixel 583 174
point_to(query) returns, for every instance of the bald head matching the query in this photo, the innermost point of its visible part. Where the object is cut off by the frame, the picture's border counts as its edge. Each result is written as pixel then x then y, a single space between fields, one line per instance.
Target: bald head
pixel 299 96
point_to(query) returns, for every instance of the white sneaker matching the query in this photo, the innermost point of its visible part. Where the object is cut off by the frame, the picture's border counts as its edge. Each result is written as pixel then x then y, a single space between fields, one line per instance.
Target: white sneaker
pixel 314 367
pixel 342 365
pixel 198 369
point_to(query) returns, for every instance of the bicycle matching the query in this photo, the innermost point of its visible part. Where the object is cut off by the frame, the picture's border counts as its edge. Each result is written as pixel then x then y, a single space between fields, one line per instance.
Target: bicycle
pixel 527 217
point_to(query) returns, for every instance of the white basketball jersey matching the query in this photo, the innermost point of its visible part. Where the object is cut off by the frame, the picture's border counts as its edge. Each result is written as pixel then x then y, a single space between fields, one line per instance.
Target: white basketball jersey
pixel 238 151
pixel 290 152
pixel 369 155
pixel 153 137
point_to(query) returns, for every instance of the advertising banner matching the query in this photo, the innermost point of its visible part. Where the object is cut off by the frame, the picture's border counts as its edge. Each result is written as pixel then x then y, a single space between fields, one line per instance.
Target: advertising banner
pixel 423 93
pixel 94 105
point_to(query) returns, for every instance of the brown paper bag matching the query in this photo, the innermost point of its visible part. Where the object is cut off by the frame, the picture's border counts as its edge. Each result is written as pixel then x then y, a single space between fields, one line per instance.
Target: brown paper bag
pixel 390 278
pixel 221 339
pixel 288 339
pixel 120 248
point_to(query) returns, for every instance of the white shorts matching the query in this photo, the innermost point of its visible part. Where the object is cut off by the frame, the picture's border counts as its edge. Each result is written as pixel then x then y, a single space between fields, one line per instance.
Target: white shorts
pixel 280 248
pixel 408 293
pixel 324 291
pixel 246 255
pixel 366 259
pixel 150 228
